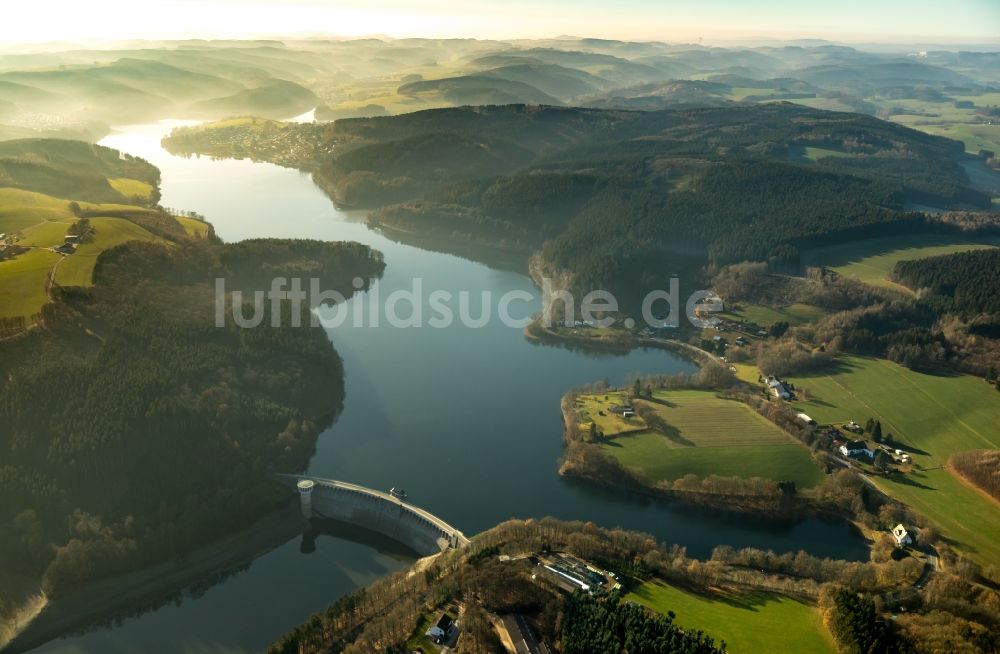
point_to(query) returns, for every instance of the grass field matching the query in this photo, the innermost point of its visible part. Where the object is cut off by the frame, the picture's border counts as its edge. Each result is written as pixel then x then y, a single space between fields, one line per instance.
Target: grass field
pixel 193 226
pixel 975 137
pixel 22 283
pixel 48 234
pixel 749 623
pixel 78 268
pixel 589 408
pixel 20 210
pixel 815 154
pixel 41 221
pixel 872 260
pixel 934 416
pixel 705 435
pixel 131 188
pixel 748 372
pixel 793 314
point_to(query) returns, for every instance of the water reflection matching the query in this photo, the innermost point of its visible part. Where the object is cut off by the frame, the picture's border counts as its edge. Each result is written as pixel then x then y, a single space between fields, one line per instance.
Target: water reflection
pixel 261 598
pixel 467 420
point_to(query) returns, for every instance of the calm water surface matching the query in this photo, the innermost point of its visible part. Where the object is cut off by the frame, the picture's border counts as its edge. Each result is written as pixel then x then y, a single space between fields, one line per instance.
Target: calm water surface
pixel 467 420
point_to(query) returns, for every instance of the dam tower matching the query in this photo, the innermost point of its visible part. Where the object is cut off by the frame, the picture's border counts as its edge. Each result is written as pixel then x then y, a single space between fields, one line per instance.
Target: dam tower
pixel 305 488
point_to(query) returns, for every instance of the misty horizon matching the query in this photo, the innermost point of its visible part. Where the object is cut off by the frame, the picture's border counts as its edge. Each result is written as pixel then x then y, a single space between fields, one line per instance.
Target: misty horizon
pixel 975 22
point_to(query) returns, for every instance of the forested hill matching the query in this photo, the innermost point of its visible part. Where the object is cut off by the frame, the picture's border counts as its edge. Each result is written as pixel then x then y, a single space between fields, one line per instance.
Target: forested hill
pixel 618 196
pixel 73 169
pixel 965 282
pixel 132 427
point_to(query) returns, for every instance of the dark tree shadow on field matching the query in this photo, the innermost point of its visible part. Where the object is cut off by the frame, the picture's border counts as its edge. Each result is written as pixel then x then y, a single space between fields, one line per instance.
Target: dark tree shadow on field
pixel 658 424
pixel 673 435
pixel 750 601
pixel 936 371
pixel 908 480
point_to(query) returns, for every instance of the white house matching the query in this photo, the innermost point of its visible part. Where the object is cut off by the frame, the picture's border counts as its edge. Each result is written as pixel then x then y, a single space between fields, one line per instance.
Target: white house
pixel 901 536
pixel 857 448
pixel 777 388
pixel 439 632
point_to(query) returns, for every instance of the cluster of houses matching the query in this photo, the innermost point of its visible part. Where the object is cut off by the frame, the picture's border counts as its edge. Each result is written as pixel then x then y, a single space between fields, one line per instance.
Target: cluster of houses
pixel 742 326
pixel 863 449
pixel 708 308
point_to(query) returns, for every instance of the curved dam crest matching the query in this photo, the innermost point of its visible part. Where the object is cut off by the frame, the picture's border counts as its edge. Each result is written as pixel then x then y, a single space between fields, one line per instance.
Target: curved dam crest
pixel 414 527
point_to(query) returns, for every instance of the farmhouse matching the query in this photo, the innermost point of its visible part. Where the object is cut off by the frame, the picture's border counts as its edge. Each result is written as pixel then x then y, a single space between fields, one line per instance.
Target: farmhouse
pixel 624 410
pixel 572 574
pixel 901 536
pixel 857 448
pixel 777 388
pixel 440 630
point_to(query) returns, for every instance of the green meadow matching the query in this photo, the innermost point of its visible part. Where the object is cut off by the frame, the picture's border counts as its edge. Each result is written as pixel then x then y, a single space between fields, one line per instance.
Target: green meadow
pixel 975 136
pixel 933 416
pixel 815 154
pixel 22 283
pixel 22 210
pixel 873 260
pixel 704 435
pixel 46 234
pixel 40 222
pixel 794 314
pixel 78 268
pixel 132 188
pixel 194 227
pixel 749 623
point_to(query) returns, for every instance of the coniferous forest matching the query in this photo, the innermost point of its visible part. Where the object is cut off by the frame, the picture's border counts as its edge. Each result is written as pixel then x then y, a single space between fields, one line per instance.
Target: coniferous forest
pixel 134 428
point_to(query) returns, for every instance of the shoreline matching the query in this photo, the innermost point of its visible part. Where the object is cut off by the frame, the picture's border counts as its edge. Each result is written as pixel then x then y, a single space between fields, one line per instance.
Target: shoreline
pixel 801 508
pixel 110 598
pixel 735 504
pixel 535 331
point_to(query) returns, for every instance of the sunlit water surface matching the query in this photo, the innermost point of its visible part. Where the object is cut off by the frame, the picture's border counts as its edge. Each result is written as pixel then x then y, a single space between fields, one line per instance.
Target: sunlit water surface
pixel 467 420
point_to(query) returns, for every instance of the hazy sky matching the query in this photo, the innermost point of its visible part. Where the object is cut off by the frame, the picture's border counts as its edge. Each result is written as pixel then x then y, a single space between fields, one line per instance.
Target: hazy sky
pixel 850 20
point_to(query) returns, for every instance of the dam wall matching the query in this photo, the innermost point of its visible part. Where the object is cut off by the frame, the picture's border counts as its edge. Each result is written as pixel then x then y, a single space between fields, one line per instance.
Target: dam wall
pixel 395 518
